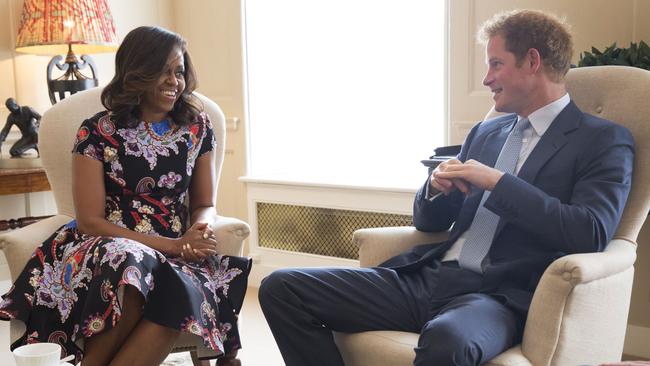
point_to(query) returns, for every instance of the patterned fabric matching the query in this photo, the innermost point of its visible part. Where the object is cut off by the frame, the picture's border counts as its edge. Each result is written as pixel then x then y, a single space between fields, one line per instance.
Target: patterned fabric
pixel 71 287
pixel 481 233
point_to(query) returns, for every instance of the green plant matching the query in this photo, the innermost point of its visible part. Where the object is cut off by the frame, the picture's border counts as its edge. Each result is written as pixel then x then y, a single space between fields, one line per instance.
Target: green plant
pixel 636 56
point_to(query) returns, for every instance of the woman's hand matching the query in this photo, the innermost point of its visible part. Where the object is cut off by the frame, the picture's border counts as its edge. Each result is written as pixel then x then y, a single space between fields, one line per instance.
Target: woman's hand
pixel 196 244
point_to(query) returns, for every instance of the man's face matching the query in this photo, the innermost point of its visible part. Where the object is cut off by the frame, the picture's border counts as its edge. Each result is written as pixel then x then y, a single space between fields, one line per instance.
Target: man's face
pixel 511 85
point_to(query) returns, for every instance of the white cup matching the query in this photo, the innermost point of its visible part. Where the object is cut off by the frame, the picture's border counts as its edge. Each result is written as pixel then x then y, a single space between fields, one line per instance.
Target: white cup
pixel 38 354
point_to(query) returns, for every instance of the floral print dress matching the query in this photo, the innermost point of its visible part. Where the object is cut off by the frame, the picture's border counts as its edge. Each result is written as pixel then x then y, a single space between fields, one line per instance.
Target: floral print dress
pixel 72 285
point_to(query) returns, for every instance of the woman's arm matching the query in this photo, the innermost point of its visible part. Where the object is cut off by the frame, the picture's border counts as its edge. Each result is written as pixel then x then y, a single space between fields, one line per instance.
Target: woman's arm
pixel 89 194
pixel 203 190
pixel 203 199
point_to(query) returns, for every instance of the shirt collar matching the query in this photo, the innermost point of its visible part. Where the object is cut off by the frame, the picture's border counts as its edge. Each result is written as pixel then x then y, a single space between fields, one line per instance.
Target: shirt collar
pixel 542 118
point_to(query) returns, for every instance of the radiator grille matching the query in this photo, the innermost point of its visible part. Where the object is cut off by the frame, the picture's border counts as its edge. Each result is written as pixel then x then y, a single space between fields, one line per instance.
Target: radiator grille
pixel 316 230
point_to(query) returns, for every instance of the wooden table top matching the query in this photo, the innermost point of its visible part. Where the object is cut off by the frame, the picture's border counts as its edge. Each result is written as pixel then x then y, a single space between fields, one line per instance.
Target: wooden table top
pixel 16 181
pixel 21 175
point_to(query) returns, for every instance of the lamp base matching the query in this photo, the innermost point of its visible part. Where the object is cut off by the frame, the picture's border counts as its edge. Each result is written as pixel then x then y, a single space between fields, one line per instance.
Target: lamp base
pixel 72 80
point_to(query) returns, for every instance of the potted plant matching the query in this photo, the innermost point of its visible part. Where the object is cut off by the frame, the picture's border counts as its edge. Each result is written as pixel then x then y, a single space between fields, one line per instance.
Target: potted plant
pixel 635 56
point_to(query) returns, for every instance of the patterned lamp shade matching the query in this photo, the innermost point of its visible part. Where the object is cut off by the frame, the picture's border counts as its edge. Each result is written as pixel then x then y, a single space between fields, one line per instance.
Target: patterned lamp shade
pixel 47 27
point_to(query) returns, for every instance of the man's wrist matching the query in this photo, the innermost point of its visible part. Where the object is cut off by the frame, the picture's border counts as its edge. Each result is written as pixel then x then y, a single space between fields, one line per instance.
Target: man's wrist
pixel 498 176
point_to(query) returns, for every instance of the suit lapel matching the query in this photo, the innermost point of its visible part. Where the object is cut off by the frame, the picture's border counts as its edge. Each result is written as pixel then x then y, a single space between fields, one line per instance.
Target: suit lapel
pixel 554 138
pixel 494 142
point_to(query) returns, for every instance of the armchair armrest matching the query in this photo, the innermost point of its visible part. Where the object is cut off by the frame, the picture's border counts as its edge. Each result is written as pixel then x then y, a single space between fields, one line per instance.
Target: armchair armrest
pixel 18 245
pixel 573 292
pixel 230 234
pixel 619 255
pixel 379 244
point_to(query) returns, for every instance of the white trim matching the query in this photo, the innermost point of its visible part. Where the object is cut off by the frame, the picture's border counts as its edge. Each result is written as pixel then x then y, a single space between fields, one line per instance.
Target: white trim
pixel 447 70
pixel 275 181
pixel 637 341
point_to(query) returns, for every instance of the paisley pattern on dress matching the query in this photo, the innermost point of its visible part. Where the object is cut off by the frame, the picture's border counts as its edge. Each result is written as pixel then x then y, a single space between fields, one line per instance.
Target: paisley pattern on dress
pixel 71 287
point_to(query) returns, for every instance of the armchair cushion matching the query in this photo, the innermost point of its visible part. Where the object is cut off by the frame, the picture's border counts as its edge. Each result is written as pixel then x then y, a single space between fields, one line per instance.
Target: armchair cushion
pixel 380 348
pixel 18 245
pixel 376 245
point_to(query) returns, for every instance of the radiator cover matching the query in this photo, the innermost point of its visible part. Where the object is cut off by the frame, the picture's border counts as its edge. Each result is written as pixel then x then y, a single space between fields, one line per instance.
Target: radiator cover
pixel 317 230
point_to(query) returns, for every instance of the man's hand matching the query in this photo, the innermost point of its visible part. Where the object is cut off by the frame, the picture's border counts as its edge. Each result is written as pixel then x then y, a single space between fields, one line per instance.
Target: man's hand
pixel 447 185
pixel 471 172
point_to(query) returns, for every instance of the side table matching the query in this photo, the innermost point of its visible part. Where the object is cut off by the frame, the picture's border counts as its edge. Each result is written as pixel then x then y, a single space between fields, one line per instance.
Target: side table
pixel 21 175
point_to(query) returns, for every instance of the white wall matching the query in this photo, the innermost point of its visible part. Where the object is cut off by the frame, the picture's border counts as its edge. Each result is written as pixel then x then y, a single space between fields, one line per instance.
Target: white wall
pixel 596 23
pixel 213 32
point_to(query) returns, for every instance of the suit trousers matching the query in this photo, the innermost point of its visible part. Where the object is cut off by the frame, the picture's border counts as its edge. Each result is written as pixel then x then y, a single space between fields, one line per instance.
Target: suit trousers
pixel 457 324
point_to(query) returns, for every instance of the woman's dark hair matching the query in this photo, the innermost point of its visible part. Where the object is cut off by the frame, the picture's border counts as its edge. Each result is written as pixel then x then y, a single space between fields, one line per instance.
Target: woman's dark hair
pixel 139 62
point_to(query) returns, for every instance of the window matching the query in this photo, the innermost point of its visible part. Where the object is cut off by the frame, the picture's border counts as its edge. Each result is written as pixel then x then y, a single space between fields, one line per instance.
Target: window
pixel 345 92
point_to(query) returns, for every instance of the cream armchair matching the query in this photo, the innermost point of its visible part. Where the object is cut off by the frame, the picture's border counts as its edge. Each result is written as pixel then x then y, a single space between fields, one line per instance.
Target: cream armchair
pixel 57 134
pixel 578 314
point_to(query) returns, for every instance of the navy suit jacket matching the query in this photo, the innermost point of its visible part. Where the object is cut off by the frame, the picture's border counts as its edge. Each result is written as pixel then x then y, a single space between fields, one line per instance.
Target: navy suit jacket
pixel 568 197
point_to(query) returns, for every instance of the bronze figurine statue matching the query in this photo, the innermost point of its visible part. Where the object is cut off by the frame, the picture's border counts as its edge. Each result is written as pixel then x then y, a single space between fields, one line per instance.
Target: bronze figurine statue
pixel 27 120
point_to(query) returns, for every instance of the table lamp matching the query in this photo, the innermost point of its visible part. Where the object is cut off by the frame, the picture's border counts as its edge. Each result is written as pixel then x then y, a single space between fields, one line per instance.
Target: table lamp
pixel 52 27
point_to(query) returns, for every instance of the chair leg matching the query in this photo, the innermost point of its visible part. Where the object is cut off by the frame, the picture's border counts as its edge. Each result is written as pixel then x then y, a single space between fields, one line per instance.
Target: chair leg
pixel 229 359
pixel 196 361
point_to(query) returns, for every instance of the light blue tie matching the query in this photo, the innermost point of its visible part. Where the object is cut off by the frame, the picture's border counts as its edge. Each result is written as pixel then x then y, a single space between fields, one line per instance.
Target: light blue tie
pixel 481 232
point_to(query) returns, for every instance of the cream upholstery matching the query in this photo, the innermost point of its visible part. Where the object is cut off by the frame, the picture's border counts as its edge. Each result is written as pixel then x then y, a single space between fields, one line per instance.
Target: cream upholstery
pixel 578 315
pixel 57 135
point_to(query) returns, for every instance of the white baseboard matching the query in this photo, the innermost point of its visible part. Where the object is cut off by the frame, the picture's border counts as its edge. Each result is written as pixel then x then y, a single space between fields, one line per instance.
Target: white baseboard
pixel 637 341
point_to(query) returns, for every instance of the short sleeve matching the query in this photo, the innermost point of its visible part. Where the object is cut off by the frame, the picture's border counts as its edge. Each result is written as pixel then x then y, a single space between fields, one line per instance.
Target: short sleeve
pixel 208 141
pixel 89 142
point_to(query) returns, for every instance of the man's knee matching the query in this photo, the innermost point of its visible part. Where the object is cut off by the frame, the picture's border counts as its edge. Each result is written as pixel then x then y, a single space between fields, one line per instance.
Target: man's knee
pixel 274 286
pixel 443 343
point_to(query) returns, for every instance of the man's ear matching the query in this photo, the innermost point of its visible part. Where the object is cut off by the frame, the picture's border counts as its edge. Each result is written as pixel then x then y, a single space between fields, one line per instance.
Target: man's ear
pixel 534 60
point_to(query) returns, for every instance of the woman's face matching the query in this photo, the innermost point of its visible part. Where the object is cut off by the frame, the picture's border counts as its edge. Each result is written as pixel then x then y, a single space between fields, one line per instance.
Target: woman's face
pixel 158 101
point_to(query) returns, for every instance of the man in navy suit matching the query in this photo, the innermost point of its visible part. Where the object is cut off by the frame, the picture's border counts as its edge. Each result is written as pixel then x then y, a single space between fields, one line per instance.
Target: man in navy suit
pixel 528 187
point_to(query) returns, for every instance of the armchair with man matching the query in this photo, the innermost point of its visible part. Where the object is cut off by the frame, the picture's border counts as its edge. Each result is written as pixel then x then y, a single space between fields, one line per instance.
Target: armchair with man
pixel 468 297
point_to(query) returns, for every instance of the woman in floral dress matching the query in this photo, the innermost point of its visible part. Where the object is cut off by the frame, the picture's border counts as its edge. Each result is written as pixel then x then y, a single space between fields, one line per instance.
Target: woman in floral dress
pixel 120 283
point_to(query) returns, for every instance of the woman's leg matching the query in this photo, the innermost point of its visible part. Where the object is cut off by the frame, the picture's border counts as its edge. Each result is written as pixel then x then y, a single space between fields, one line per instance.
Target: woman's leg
pixel 147 345
pixel 100 349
